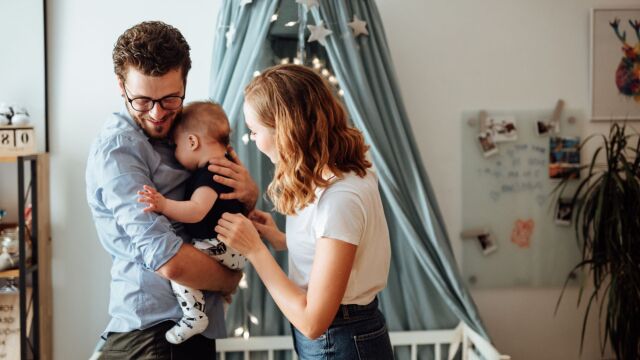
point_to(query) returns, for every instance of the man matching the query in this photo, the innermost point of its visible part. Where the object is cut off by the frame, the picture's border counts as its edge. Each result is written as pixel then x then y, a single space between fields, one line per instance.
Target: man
pixel 151 61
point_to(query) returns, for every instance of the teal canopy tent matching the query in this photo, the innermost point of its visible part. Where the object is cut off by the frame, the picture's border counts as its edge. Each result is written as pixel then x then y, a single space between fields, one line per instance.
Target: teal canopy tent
pixel 344 41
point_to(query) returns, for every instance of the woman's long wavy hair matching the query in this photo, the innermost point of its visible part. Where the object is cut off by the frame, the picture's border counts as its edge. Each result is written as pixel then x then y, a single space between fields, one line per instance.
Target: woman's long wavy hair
pixel 311 134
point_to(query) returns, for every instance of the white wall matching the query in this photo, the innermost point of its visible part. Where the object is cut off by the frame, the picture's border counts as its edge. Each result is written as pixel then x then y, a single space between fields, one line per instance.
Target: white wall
pixel 22 61
pixel 450 56
pixel 21 81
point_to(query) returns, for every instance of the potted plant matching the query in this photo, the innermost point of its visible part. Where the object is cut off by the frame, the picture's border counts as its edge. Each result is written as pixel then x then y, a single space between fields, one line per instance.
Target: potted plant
pixel 606 215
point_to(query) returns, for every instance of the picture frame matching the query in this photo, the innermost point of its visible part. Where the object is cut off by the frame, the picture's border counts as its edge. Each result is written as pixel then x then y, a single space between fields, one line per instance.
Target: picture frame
pixel 564 157
pixel 564 211
pixel 614 88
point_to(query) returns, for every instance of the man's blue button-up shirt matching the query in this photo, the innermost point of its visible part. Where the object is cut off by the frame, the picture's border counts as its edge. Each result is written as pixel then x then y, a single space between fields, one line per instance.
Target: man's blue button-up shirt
pixel 121 160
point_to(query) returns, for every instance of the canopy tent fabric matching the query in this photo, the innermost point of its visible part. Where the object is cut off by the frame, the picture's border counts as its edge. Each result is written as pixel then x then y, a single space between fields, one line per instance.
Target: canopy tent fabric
pixel 425 289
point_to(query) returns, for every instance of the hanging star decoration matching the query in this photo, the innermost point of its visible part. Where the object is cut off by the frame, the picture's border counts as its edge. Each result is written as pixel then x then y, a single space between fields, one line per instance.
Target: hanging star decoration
pixel 308 3
pixel 319 33
pixel 358 26
pixel 245 2
pixel 230 35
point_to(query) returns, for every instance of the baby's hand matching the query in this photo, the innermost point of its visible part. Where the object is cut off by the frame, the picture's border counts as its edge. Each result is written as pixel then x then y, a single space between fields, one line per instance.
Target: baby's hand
pixel 152 197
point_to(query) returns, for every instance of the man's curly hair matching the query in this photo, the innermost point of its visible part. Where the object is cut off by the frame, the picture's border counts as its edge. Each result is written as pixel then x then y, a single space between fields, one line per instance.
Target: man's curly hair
pixel 153 47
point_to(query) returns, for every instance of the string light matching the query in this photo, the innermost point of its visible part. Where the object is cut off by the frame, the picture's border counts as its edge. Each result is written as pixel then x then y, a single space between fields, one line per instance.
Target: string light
pixel 320 67
pixel 238 331
pixel 243 282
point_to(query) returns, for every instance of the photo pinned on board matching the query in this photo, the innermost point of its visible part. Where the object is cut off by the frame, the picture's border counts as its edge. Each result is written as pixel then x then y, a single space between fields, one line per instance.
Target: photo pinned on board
pixel 546 128
pixel 487 144
pixel 564 212
pixel 564 157
pixel 503 128
pixel 484 237
pixel 487 243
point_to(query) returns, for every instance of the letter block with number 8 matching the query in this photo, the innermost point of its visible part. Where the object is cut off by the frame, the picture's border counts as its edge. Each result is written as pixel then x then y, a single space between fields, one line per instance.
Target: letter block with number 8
pixel 17 140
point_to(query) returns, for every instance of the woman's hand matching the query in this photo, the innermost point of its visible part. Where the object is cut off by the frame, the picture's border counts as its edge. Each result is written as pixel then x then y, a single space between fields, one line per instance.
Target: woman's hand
pixel 156 201
pixel 235 175
pixel 267 228
pixel 238 232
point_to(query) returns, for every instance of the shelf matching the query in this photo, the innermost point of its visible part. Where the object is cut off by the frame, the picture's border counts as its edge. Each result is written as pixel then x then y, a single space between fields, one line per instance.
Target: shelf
pixel 14 158
pixel 8 159
pixel 37 343
pixel 9 274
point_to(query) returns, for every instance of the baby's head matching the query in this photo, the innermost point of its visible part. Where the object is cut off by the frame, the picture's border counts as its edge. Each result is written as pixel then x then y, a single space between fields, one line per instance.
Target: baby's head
pixel 201 132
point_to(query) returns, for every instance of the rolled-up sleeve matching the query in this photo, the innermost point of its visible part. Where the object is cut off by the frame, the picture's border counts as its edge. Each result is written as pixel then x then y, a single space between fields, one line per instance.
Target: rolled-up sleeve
pixel 125 166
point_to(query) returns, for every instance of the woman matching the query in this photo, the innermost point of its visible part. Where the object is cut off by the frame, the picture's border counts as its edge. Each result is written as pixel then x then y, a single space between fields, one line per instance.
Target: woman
pixel 336 232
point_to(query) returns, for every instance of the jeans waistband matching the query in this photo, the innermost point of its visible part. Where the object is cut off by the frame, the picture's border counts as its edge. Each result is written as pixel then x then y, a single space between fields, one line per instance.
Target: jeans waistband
pixel 354 311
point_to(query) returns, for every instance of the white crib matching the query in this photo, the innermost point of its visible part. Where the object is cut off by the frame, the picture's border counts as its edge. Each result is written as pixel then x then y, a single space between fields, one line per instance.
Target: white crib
pixel 473 345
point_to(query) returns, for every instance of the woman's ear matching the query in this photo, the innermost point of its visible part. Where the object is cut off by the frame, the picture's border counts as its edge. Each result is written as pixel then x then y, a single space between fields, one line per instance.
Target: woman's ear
pixel 194 142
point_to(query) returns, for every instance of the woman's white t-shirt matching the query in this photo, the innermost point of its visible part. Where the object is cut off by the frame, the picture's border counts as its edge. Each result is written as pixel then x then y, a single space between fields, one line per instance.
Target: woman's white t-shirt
pixel 349 210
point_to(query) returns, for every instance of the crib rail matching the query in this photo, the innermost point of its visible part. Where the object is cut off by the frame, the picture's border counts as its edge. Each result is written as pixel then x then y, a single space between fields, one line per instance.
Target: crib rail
pixel 473 345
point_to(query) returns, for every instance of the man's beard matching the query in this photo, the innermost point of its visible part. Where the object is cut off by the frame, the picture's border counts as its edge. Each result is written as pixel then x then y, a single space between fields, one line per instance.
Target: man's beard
pixel 156 131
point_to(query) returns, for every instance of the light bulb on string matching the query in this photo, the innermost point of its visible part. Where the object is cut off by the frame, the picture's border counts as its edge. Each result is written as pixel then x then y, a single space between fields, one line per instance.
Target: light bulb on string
pixel 243 282
pixel 238 331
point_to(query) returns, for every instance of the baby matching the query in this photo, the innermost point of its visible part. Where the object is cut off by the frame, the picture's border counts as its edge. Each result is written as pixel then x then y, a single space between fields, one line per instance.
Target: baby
pixel 202 132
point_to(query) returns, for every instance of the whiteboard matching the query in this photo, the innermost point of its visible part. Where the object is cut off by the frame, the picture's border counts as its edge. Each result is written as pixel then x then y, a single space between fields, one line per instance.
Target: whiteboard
pixel 508 193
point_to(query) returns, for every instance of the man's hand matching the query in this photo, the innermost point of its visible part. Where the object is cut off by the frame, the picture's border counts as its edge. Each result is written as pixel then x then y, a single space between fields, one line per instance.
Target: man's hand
pixel 227 296
pixel 156 201
pixel 234 280
pixel 235 175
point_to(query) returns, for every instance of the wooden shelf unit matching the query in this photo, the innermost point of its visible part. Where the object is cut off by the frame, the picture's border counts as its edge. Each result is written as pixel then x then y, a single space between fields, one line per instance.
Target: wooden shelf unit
pixel 39 324
pixel 9 274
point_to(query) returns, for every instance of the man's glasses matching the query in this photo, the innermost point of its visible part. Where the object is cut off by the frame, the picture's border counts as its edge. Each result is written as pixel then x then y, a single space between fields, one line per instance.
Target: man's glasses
pixel 143 103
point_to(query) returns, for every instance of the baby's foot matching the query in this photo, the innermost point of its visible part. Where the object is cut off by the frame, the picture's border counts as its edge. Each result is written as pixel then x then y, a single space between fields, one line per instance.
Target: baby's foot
pixel 190 324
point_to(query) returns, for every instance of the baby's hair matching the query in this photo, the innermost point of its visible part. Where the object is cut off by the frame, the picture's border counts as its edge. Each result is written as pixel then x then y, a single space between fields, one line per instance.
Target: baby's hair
pixel 205 118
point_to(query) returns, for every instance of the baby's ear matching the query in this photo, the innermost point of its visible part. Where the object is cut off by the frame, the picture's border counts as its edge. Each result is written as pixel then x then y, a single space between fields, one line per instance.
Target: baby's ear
pixel 194 142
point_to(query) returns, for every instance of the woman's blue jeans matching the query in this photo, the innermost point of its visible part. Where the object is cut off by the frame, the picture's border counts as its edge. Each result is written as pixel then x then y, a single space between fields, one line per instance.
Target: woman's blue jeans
pixel 358 332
